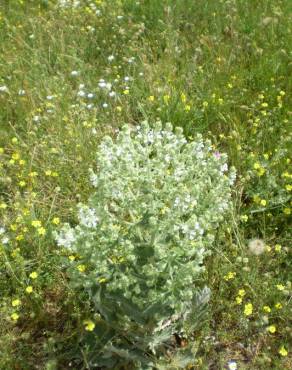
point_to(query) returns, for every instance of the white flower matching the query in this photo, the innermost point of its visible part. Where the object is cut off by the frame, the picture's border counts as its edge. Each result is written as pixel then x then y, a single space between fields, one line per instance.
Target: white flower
pixel 93 177
pixel 87 216
pixel 5 240
pixel 69 3
pixel 90 95
pixel 232 365
pixel 105 105
pixel 66 237
pixel 3 89
pixel 2 230
pixel 74 73
pixel 224 168
pixel 81 93
pixel 102 84
pixel 110 58
pixel 256 246
pixel 21 92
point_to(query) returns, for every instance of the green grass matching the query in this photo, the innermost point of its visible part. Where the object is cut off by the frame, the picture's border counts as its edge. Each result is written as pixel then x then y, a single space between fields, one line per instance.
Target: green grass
pixel 217 67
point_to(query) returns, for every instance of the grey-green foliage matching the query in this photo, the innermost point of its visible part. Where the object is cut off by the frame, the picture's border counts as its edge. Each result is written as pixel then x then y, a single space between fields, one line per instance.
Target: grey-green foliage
pixel 145 231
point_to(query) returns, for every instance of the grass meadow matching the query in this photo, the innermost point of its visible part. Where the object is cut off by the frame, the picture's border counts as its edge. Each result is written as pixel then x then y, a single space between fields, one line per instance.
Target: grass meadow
pixel 72 72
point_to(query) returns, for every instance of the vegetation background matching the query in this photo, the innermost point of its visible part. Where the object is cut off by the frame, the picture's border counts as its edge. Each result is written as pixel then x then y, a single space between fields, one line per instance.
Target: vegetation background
pixel 71 72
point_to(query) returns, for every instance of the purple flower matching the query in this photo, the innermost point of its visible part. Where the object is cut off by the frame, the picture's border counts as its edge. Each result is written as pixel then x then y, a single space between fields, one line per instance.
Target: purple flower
pixel 217 155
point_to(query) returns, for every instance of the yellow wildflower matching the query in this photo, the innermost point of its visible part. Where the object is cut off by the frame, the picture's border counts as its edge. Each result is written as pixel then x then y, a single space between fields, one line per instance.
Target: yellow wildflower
pixel 29 289
pixel 166 99
pixel 241 292
pixel 280 287
pixel 56 221
pixel 14 316
pixel 36 223
pixel 15 156
pixel 271 329
pixel 41 231
pixel 81 268
pixel 89 325
pixel 266 309
pixel 278 248
pixel 238 300
pixel 244 218
pixel 15 252
pixel 229 276
pixel 248 309
pixel 33 275
pixel 16 302
pixel 283 351
pixel 278 306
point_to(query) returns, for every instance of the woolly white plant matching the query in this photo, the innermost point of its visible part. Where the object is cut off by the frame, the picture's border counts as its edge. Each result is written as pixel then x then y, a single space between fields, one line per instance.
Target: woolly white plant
pixel 146 229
